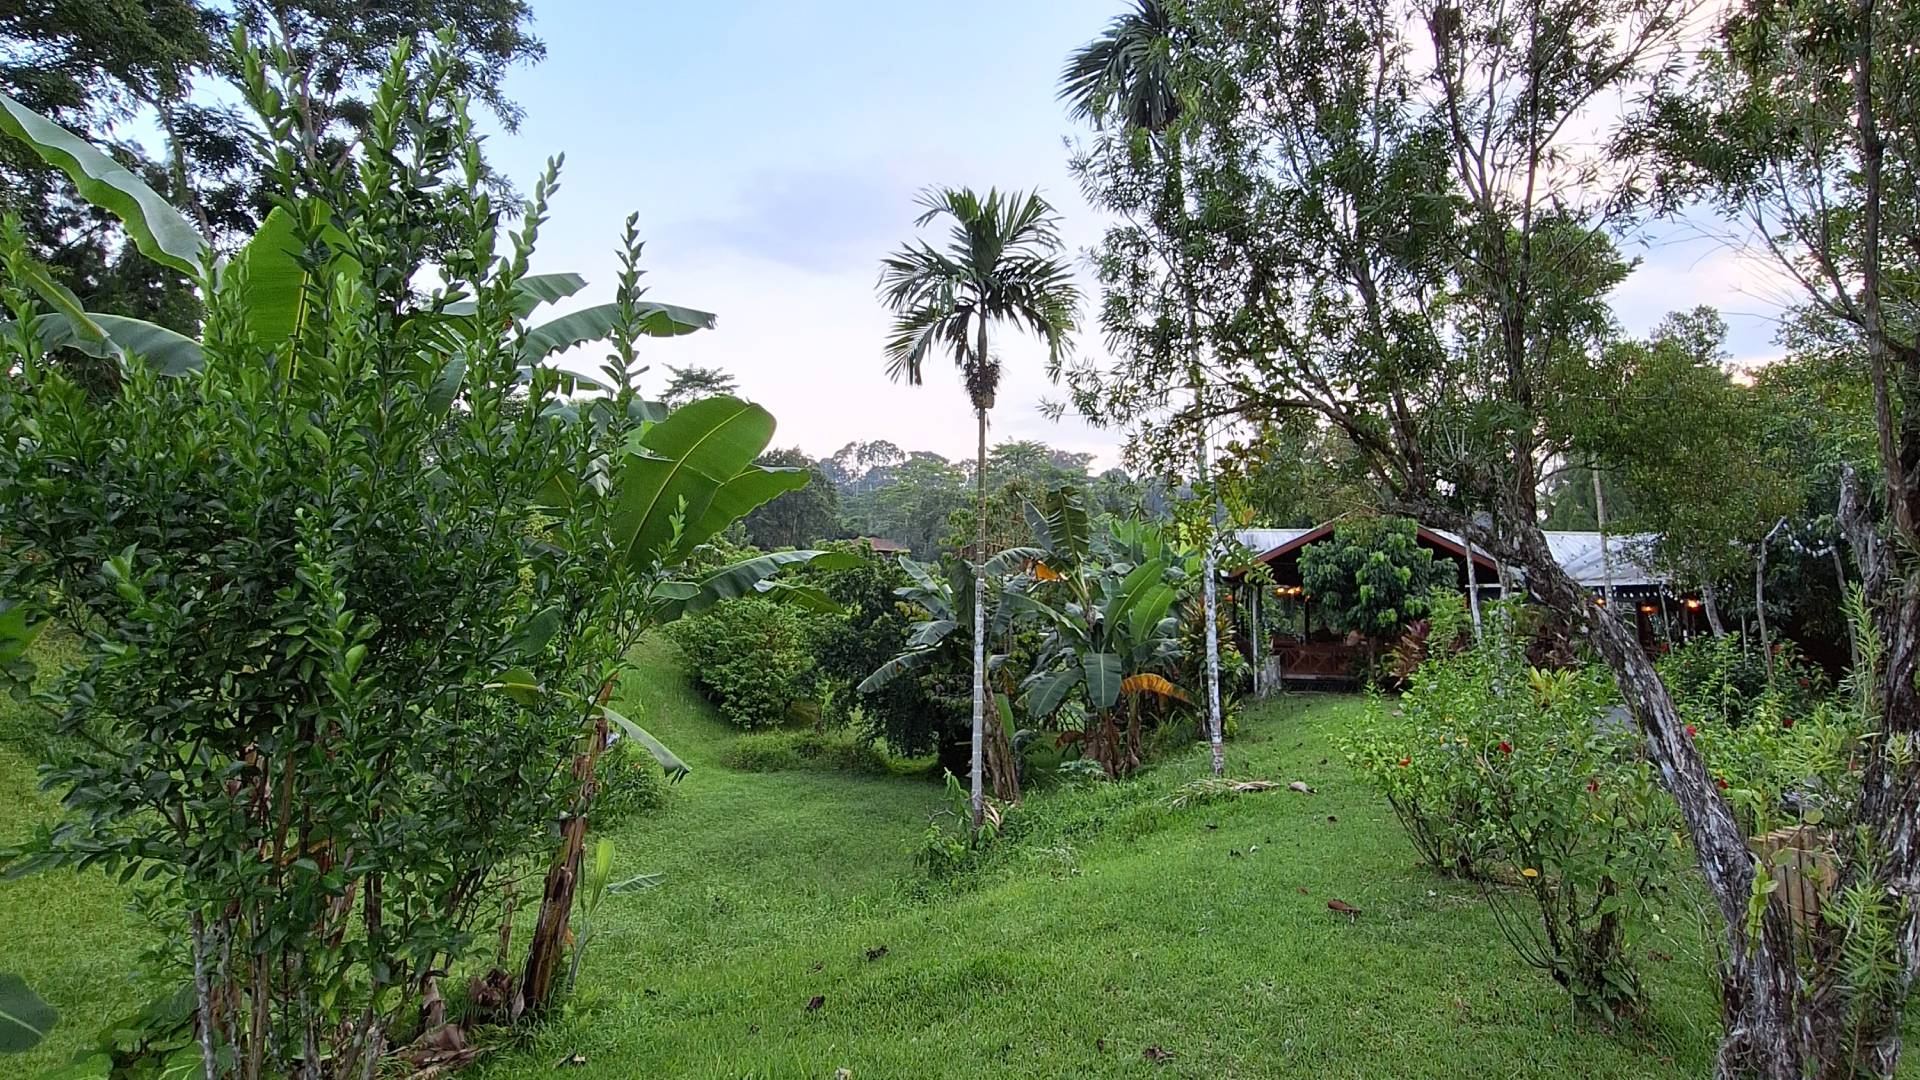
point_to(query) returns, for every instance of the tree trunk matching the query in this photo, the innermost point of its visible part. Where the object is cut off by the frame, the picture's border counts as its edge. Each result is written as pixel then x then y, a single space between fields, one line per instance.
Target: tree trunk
pixel 1713 611
pixel 1762 1036
pixel 549 938
pixel 1606 552
pixel 1209 598
pixel 975 761
pixel 1473 587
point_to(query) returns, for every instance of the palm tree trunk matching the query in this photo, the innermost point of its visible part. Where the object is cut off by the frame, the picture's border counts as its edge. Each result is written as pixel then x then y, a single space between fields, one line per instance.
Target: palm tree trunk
pixel 1209 599
pixel 977 764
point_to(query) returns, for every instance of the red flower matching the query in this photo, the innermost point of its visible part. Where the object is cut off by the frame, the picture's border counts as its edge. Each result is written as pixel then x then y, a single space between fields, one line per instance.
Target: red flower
pixel 1593 785
pixel 1506 747
pixel 1692 732
pixel 1720 782
pixel 1786 721
pixel 1405 761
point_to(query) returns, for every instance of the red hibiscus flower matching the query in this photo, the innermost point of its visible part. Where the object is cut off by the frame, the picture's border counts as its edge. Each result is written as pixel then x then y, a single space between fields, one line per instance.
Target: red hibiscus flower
pixel 1506 747
pixel 1405 761
pixel 1786 721
pixel 1692 732
pixel 1720 782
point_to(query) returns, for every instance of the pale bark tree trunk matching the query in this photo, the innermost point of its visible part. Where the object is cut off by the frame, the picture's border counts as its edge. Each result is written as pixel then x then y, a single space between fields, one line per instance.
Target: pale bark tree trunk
pixel 1473 587
pixel 1713 610
pixel 1760 597
pixel 1209 602
pixel 976 756
pixel 1600 523
pixel 1760 981
pixel 976 764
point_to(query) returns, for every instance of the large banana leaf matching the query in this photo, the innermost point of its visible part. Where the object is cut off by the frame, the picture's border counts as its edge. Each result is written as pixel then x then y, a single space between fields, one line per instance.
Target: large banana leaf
pixel 669 761
pixel 157 229
pixel 597 323
pixel 529 293
pixel 166 351
pixel 930 633
pixel 911 660
pixel 740 496
pixel 675 599
pixel 276 299
pixel 1149 611
pixel 1063 528
pixel 1102 670
pixel 1046 691
pixel 24 1018
pixel 681 464
pixel 1143 578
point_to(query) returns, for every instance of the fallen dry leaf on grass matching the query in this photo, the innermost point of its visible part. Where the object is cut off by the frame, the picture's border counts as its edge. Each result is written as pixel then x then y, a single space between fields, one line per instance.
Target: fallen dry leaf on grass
pixel 1157 1055
pixel 814 1002
pixel 1343 908
pixel 876 952
pixel 1301 787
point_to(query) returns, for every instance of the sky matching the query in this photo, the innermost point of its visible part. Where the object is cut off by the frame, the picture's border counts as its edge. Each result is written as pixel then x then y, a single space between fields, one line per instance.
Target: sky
pixel 773 152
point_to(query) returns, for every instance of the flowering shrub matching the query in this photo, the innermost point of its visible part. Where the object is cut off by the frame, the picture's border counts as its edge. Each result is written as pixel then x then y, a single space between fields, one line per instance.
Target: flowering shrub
pixel 1525 781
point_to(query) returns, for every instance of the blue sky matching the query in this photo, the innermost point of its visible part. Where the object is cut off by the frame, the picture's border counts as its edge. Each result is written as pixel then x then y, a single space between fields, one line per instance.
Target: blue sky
pixel 773 151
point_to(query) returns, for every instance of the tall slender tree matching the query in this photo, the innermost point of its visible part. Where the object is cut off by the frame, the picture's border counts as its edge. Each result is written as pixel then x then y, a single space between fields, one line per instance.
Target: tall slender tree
pixel 1001 265
pixel 1128 81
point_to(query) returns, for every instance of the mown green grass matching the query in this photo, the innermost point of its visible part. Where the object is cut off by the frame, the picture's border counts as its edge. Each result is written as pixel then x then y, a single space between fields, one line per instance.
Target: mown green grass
pixel 1107 924
pixel 1113 923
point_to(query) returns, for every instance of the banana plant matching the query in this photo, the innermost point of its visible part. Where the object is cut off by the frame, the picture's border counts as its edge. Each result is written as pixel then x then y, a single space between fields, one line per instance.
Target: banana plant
pixel 24 1018
pixel 945 595
pixel 1109 636
pixel 277 269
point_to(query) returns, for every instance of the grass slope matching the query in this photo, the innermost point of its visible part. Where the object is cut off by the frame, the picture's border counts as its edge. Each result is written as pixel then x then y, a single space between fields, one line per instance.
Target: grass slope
pixel 1111 925
pixel 1114 925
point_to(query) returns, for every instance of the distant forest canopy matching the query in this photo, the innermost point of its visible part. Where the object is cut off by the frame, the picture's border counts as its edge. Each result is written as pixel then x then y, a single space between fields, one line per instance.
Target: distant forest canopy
pixel 926 502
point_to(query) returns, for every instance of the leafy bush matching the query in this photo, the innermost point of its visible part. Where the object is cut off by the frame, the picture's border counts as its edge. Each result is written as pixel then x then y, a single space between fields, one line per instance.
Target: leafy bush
pixel 911 715
pixel 1523 779
pixel 753 658
pixel 351 576
pixel 774 751
pixel 631 784
pixel 1371 576
pixel 1726 678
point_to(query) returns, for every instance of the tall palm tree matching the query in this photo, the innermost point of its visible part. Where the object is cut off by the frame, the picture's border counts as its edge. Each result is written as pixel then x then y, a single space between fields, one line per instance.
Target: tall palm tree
pixel 1130 76
pixel 1001 265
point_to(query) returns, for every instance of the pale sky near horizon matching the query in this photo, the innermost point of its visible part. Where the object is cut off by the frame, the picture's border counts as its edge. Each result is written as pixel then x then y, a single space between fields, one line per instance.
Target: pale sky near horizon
pixel 773 151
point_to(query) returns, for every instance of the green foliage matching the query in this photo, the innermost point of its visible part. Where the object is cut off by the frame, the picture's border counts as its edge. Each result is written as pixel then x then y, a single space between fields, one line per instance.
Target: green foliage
pixel 1522 779
pixel 24 1018
pixel 1727 679
pixel 632 784
pixel 838 750
pixel 753 658
pixel 800 518
pixel 910 715
pixel 1371 576
pixel 322 744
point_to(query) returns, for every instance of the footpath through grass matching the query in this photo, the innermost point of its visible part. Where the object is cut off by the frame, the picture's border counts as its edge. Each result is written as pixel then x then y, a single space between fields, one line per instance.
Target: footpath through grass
pixel 1115 936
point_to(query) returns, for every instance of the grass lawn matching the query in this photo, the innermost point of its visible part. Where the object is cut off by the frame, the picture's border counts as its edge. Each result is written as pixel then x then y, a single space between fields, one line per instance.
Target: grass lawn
pixel 1113 924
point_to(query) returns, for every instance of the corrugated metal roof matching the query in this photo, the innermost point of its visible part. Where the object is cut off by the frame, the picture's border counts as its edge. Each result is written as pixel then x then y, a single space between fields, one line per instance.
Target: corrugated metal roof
pixel 1577 552
pixel 1261 541
pixel 1631 556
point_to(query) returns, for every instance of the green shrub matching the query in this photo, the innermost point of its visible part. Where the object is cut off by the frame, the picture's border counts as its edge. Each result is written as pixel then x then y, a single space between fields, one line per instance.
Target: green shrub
pixel 631 782
pixel 1521 779
pixel 775 751
pixel 1726 679
pixel 752 658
